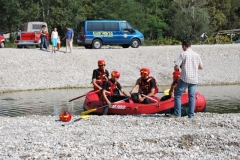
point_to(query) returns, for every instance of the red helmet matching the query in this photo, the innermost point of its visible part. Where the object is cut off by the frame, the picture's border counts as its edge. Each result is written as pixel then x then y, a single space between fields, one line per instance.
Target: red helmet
pixel 115 74
pixel 101 62
pixel 65 116
pixel 176 75
pixel 145 71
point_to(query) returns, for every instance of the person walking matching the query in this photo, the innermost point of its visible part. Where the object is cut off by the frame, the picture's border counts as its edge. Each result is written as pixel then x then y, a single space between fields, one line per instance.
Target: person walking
pixel 54 38
pixel 190 63
pixel 43 33
pixel 69 38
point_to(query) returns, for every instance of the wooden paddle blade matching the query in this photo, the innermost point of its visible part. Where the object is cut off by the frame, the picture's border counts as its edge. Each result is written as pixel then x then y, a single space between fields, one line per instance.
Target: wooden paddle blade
pixel 88 111
pixel 166 92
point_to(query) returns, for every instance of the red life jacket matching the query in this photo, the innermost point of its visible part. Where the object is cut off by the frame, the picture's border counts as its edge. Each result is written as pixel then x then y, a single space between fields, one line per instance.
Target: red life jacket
pixel 101 77
pixel 145 85
pixel 112 88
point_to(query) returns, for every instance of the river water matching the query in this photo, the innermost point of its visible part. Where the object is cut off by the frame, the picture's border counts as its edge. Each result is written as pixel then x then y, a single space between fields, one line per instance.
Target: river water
pixel 220 99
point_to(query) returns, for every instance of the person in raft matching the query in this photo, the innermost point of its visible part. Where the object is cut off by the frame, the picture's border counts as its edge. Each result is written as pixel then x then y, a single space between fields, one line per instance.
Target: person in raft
pixel 147 87
pixel 176 77
pixel 100 75
pixel 111 91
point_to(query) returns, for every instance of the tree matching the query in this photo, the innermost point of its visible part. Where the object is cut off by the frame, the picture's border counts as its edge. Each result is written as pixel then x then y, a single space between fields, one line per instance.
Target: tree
pixel 190 19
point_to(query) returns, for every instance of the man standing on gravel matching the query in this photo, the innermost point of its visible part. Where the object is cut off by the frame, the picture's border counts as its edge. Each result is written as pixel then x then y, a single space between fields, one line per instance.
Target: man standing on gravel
pixel 190 62
pixel 69 38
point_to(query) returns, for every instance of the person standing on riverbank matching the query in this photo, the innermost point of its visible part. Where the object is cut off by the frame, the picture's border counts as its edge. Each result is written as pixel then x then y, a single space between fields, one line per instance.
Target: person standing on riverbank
pixel 69 38
pixel 190 63
pixel 54 38
pixel 43 33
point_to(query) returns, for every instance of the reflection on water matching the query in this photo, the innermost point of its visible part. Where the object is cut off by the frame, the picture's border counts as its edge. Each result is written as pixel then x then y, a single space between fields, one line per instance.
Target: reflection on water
pixel 220 99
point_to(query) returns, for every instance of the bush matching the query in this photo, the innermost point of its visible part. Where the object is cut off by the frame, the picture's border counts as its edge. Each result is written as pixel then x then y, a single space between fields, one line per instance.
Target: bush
pixel 162 41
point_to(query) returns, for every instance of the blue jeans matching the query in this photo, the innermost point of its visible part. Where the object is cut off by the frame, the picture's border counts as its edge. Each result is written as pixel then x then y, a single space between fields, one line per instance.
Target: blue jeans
pixel 181 87
pixel 43 42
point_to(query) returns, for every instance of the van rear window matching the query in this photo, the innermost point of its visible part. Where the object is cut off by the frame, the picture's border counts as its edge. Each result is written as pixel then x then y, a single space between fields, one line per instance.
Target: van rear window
pixel 103 26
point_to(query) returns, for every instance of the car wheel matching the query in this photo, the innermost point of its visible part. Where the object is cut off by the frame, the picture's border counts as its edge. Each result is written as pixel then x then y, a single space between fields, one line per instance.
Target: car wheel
pixel 97 44
pixel 135 43
pixel 2 45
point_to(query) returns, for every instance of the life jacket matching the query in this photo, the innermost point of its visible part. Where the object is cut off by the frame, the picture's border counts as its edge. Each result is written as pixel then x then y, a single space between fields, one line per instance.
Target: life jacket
pixel 145 85
pixel 101 77
pixel 113 88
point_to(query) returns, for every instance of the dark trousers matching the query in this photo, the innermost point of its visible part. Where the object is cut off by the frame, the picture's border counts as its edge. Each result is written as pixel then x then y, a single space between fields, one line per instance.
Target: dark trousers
pixel 43 42
pixel 164 98
pixel 135 99
pixel 113 99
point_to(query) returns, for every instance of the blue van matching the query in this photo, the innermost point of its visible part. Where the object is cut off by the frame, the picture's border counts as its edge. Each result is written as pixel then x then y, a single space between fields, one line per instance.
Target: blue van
pixel 95 33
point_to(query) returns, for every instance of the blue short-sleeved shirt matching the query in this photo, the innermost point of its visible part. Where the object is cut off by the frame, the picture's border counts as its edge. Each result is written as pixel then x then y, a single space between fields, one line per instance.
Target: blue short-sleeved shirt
pixel 69 34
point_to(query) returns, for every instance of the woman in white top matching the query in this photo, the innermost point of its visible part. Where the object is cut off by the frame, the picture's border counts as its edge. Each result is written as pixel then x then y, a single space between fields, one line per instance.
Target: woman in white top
pixel 54 37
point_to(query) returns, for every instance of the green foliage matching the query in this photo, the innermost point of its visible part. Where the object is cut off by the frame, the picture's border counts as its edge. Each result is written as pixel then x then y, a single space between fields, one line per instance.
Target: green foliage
pixel 10 45
pixel 162 41
pixel 180 19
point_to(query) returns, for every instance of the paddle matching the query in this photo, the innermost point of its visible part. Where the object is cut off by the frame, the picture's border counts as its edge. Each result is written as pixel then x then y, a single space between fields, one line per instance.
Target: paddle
pixel 150 98
pixel 166 92
pixel 81 117
pixel 82 96
pixel 94 109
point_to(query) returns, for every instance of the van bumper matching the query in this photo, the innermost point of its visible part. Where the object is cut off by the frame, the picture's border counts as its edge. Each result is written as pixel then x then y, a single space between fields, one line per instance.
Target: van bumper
pixel 84 42
pixel 142 40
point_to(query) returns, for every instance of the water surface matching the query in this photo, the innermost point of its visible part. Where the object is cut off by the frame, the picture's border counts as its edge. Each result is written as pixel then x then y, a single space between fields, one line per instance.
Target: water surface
pixel 220 99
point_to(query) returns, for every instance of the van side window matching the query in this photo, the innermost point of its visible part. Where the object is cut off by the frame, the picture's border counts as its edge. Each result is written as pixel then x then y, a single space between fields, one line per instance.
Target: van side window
pixel 124 26
pixel 111 26
pixel 95 26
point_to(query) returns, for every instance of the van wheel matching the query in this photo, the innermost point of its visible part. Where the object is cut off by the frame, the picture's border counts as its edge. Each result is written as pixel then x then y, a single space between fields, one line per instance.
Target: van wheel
pixel 135 43
pixel 125 45
pixel 97 44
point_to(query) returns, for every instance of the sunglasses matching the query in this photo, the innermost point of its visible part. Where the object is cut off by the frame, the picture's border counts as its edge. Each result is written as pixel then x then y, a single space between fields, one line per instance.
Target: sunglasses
pixel 116 77
pixel 101 65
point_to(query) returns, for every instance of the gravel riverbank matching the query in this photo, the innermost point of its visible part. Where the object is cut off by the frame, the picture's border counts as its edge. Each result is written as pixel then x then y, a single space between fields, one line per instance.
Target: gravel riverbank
pixel 207 136
pixel 30 69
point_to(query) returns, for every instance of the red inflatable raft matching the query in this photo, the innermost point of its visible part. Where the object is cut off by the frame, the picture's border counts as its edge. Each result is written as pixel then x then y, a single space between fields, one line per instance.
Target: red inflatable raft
pixel 122 108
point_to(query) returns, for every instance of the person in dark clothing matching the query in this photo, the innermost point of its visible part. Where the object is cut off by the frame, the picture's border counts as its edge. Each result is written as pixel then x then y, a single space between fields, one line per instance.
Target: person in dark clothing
pixel 43 33
pixel 111 90
pixel 147 87
pixel 100 75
